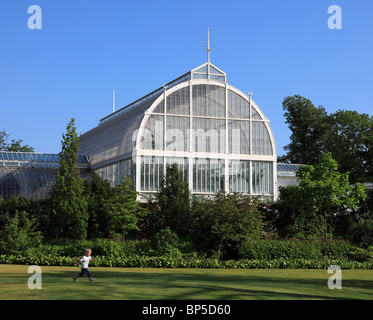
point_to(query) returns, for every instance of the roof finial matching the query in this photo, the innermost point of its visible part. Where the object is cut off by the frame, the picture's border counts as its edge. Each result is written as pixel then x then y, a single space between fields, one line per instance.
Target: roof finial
pixel 113 101
pixel 208 49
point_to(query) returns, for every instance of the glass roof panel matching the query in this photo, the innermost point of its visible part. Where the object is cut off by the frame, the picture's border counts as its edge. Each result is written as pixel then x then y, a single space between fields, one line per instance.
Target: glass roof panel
pixel 202 69
pixel 35 157
pixel 287 167
pixel 216 77
pixel 215 70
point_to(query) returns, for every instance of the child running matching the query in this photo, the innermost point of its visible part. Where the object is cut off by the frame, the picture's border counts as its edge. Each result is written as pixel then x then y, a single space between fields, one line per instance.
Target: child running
pixel 84 266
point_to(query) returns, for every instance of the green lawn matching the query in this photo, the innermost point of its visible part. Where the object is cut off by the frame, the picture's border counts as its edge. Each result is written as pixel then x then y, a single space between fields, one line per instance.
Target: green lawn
pixel 183 284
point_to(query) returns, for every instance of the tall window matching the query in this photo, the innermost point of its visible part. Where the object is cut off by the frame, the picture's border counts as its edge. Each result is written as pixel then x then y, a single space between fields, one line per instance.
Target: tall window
pixel 262 177
pixel 151 173
pixel 208 175
pixel 239 176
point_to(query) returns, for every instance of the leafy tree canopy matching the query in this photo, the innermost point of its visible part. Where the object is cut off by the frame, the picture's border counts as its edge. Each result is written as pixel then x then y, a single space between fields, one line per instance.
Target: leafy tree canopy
pixel 322 193
pixel 69 208
pixel 14 145
pixel 347 135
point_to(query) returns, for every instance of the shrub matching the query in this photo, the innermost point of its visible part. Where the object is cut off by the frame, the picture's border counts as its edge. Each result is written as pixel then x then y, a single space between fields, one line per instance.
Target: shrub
pixel 275 249
pixel 171 262
pixel 225 223
pixel 296 249
pixel 18 233
pixel 363 232
pixel 166 252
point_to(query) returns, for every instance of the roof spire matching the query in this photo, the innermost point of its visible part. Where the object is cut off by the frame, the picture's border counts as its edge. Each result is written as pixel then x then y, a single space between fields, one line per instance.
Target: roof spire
pixel 113 101
pixel 208 49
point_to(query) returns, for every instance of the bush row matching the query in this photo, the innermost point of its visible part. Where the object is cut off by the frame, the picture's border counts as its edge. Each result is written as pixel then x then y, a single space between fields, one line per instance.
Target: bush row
pixel 301 249
pixel 170 262
pixel 155 254
pixel 252 250
pixel 100 247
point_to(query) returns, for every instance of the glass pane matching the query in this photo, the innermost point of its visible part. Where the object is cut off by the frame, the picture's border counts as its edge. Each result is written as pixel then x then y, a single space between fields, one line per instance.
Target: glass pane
pixel 182 164
pixel 152 138
pixel 239 176
pixel 178 102
pixel 202 69
pixel 254 114
pixel 151 173
pixel 239 137
pixel 208 135
pixel 261 140
pixel 262 177
pixel 159 108
pixel 208 100
pixel 208 175
pixel 238 107
pixel 200 76
pixel 177 133
pixel 219 78
pixel 215 71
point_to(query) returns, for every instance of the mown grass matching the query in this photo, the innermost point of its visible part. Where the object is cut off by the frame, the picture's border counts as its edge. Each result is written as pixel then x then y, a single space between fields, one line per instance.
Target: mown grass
pixel 183 284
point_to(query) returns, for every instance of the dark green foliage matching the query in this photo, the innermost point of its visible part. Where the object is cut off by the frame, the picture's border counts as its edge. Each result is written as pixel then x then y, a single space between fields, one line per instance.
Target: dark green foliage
pixel 176 230
pixel 322 193
pixel 14 145
pixel 113 212
pixel 122 210
pixel 18 232
pixel 350 140
pixel 166 243
pixel 173 204
pixel 308 128
pixel 361 228
pixel 97 191
pixel 362 231
pixel 256 254
pixel 223 224
pixel 69 208
pixel 347 135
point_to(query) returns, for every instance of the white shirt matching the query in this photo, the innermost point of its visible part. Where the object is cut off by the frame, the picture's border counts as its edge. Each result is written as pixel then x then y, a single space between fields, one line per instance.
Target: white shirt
pixel 85 261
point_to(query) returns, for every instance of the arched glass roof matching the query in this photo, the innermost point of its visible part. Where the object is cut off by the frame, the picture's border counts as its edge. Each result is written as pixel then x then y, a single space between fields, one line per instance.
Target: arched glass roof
pixel 35 159
pixel 217 135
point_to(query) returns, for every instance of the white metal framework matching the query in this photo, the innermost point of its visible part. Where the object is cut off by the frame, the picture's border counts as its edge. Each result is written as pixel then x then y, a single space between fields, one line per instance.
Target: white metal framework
pixel 216 134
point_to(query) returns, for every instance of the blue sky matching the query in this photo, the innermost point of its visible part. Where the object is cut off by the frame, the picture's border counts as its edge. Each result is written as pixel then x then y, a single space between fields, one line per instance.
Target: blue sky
pixel 85 49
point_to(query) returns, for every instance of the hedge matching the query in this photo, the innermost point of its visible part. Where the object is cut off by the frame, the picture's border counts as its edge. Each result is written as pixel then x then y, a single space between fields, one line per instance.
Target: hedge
pixel 259 254
pixel 169 262
pixel 301 249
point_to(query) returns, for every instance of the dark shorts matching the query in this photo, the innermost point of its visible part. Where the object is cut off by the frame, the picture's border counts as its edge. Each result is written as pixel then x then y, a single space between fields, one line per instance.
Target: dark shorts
pixel 84 271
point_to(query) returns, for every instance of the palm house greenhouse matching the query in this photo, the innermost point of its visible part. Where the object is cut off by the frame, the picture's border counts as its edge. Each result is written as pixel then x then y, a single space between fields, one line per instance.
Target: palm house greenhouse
pixel 215 133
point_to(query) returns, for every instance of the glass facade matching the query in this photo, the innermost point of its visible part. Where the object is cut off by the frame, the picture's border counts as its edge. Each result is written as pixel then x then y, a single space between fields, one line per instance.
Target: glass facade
pixel 208 175
pixel 209 125
pixel 262 177
pixel 115 172
pixel 215 133
pixel 239 176
pixel 151 173
pixel 31 175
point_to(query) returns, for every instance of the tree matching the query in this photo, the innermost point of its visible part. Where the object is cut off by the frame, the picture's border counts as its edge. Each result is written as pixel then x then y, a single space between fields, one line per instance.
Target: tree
pixel 69 214
pixel 226 223
pixel 347 135
pixel 308 126
pixel 14 145
pixel 174 204
pixel 322 193
pixel 18 232
pixel 97 191
pixel 292 218
pixel 123 210
pixel 349 140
